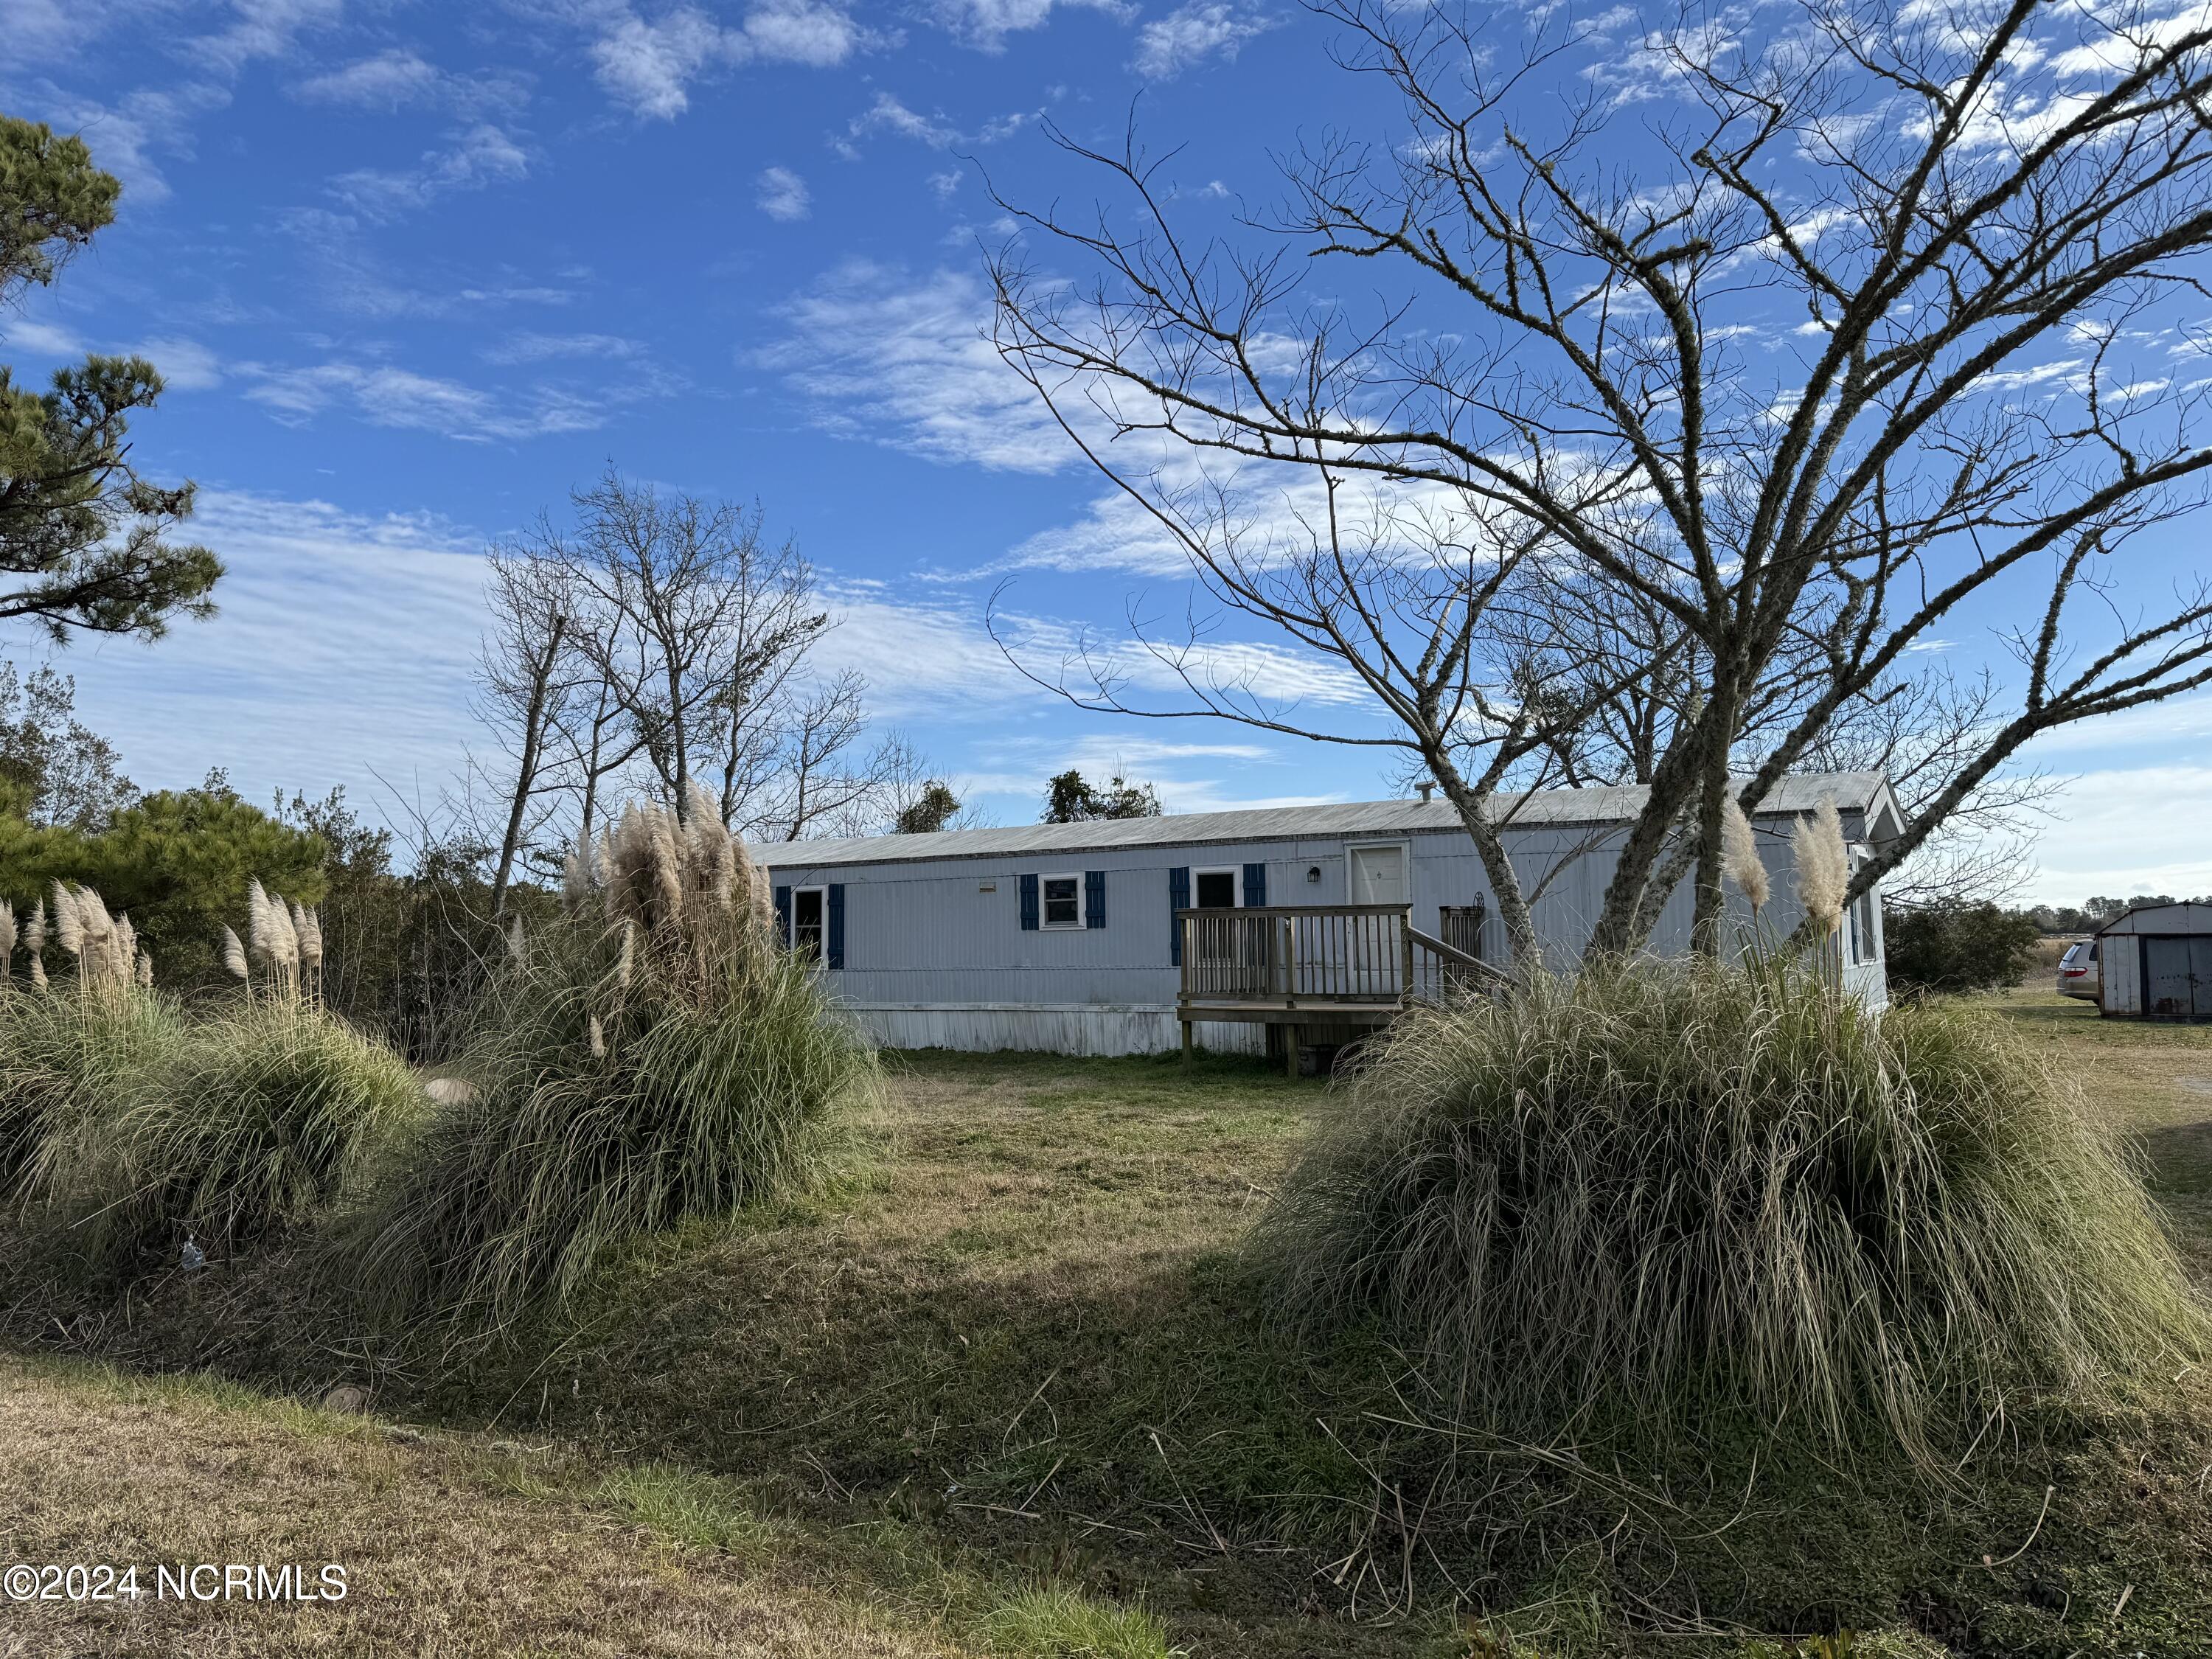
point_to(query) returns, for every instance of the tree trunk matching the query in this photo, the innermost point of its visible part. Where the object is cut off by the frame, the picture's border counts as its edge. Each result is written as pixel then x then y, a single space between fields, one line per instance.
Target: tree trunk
pixel 1472 808
pixel 533 745
pixel 1717 738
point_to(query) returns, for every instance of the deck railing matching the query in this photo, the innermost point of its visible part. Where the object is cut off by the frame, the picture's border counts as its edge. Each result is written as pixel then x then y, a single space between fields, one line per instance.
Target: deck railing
pixel 1347 956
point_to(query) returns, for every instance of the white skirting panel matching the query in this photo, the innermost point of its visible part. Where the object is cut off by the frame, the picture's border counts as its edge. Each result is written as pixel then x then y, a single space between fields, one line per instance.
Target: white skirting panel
pixel 1057 1028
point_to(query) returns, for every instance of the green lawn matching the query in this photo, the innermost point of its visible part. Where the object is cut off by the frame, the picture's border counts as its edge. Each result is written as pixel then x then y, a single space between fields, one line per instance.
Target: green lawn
pixel 1007 1390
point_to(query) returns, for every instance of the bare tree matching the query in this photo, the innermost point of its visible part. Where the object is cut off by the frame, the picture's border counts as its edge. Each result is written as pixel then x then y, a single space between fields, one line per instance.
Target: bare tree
pixel 663 640
pixel 1914 208
pixel 1921 733
pixel 1920 730
pixel 1408 599
pixel 670 578
pixel 524 686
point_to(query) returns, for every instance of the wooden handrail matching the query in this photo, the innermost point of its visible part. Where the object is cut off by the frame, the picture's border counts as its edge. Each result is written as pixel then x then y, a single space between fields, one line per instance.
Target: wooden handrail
pixel 1448 953
pixel 1299 910
pixel 1455 956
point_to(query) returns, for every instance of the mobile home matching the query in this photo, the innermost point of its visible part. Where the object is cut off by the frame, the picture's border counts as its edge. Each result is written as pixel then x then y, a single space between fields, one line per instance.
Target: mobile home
pixel 1266 928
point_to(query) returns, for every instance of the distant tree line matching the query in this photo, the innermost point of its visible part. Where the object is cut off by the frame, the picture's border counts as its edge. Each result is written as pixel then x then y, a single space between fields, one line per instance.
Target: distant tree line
pixel 2091 914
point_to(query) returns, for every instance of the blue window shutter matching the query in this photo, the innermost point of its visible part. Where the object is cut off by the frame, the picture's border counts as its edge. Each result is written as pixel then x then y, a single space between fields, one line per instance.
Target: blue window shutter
pixel 837 924
pixel 1094 899
pixel 1255 886
pixel 1028 904
pixel 783 916
pixel 1178 899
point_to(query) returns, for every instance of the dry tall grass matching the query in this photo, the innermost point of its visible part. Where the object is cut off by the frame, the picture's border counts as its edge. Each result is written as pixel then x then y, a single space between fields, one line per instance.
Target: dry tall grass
pixel 124 1124
pixel 651 1056
pixel 249 1125
pixel 1674 1190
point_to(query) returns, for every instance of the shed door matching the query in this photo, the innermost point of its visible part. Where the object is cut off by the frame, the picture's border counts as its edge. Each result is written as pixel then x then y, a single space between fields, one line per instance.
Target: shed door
pixel 2200 973
pixel 2168 992
pixel 1378 875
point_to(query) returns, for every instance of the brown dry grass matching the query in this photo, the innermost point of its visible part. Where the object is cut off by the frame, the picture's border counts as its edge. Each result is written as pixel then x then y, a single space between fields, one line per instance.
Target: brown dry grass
pixel 2155 1081
pixel 450 1550
pixel 1012 1350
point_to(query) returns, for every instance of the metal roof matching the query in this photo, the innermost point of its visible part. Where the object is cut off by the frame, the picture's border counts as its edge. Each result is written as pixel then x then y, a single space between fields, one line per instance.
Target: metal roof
pixel 1853 791
pixel 2183 916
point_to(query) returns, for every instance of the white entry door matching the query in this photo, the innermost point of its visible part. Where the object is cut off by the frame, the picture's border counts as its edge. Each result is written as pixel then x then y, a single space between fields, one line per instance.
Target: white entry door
pixel 1378 875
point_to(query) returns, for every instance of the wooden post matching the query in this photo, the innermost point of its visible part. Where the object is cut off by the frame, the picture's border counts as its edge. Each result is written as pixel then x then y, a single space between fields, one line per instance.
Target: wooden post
pixel 1290 969
pixel 1291 1052
pixel 1405 955
pixel 1186 1043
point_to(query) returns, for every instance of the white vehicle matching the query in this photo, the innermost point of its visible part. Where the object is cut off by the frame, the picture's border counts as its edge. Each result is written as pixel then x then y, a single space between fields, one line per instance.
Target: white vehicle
pixel 2079 974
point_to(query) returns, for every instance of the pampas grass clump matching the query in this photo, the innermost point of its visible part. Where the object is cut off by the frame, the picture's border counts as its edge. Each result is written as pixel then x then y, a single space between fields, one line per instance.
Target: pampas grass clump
pixel 650 1056
pixel 1666 1192
pixel 71 1058
pixel 254 1122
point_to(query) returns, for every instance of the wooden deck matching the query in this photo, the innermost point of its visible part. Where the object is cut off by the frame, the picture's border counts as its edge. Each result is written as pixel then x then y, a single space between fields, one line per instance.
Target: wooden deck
pixel 1356 966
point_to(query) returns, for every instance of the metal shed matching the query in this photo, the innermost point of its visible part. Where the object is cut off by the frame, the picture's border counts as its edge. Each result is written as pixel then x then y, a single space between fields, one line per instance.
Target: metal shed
pixel 1263 929
pixel 2156 963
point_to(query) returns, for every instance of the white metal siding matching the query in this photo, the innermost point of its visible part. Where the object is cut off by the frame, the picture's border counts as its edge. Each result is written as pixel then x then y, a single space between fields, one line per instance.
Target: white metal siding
pixel 932 959
pixel 2119 973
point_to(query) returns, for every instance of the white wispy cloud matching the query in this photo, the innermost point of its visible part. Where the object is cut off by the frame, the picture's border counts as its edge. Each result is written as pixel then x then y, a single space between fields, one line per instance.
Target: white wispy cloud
pixel 124 135
pixel 1282 676
pixel 42 339
pixel 888 115
pixel 903 359
pixel 386 81
pixel 263 28
pixel 947 667
pixel 2129 831
pixel 533 348
pixel 284 705
pixel 185 365
pixel 345 270
pixel 985 24
pixel 390 397
pixel 479 157
pixel 399 77
pixel 1191 34
pixel 782 194
pixel 650 65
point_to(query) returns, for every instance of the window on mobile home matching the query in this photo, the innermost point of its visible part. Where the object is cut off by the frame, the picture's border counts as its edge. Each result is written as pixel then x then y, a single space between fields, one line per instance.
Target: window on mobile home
pixel 1063 901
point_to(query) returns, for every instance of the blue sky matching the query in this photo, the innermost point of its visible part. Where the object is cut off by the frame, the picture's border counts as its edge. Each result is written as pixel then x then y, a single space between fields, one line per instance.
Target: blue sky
pixel 413 270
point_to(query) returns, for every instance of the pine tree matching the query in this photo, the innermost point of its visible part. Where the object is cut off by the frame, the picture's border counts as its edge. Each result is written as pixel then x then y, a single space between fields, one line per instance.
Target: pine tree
pixel 81 534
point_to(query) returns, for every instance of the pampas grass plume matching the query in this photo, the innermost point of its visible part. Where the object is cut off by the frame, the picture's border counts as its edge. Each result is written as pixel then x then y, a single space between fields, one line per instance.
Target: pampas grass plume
pixel 1740 860
pixel 234 954
pixel 283 942
pixel 6 933
pixel 69 927
pixel 34 931
pixel 308 933
pixel 1824 865
pixel 257 920
pixel 146 970
pixel 37 971
pixel 667 867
